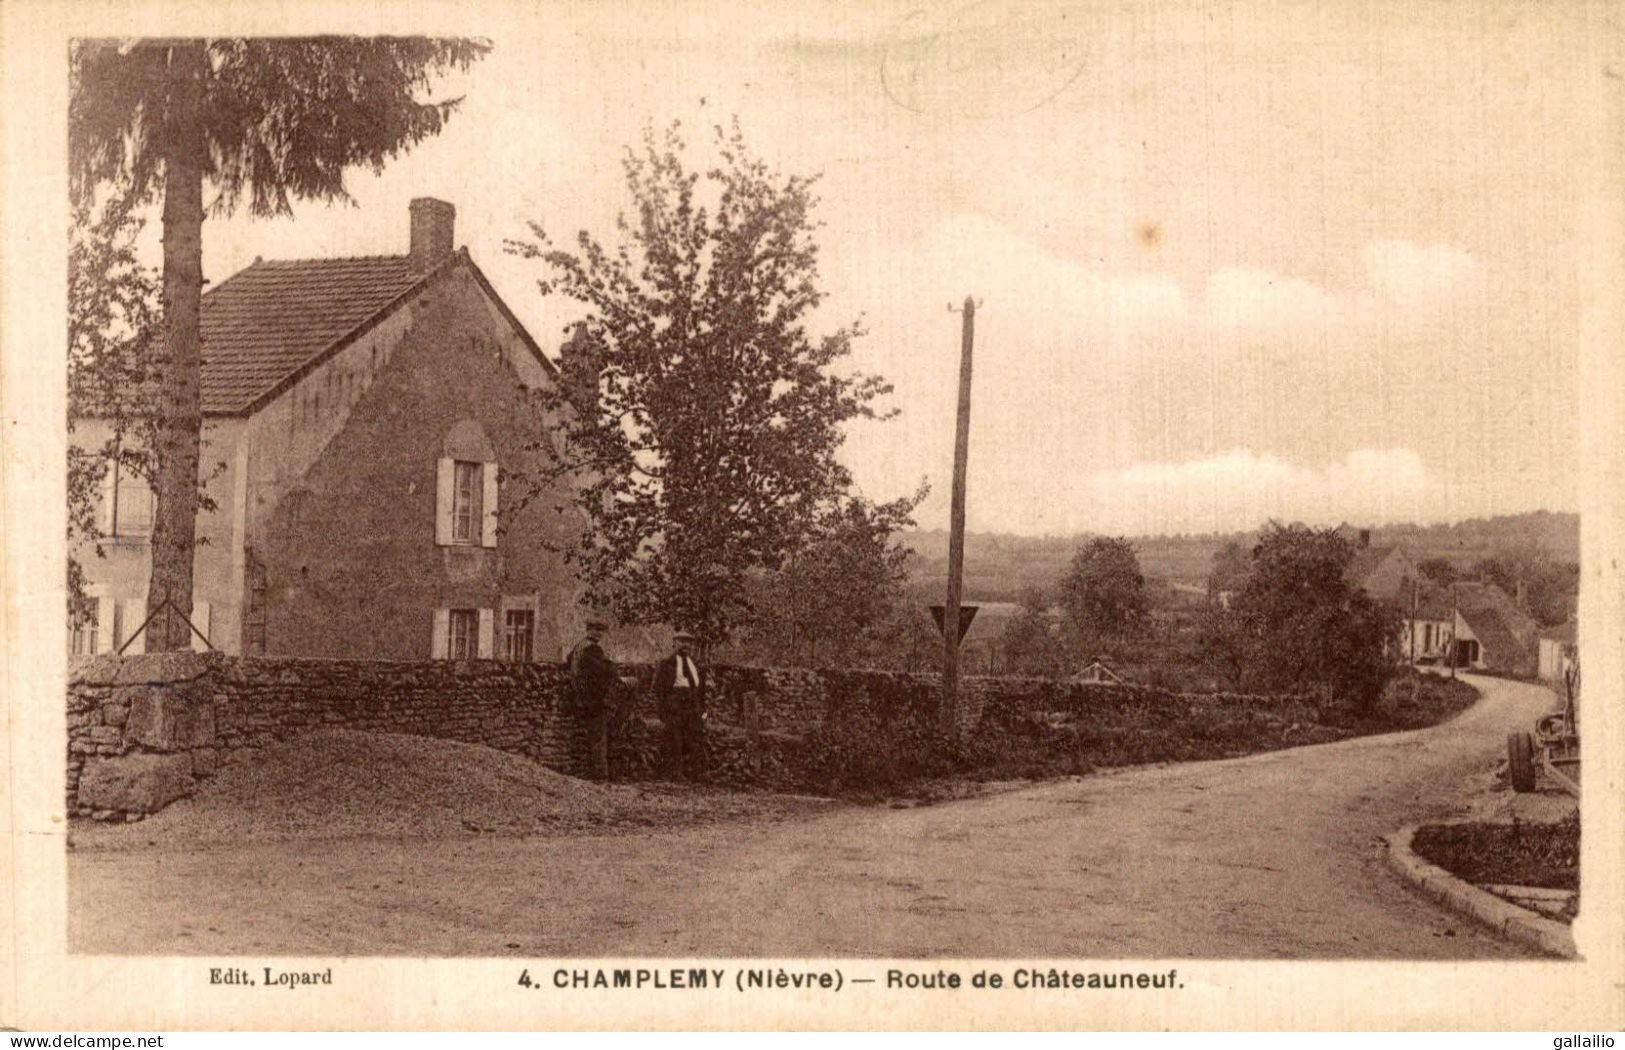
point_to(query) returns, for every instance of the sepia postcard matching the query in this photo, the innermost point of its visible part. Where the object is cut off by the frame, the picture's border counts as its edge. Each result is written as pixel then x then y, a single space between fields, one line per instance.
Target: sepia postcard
pixel 1001 515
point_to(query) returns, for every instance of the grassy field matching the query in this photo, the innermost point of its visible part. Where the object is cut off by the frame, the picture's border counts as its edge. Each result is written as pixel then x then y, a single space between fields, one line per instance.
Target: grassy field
pixel 999 567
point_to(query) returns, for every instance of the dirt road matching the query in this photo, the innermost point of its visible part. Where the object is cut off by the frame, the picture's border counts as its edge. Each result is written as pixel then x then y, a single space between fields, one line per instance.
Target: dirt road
pixel 1270 856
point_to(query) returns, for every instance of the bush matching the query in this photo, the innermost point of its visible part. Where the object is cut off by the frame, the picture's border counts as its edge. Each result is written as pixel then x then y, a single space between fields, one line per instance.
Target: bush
pixel 1516 854
pixel 861 754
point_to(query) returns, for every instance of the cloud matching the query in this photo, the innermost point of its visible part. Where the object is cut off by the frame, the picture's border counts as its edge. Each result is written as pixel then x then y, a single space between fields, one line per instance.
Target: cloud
pixel 1243 299
pixel 1050 292
pixel 1410 273
pixel 1241 489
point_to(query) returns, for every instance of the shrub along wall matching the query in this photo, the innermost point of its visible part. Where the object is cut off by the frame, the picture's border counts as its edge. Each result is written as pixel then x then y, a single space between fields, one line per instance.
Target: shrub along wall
pixel 870 732
pixel 142 729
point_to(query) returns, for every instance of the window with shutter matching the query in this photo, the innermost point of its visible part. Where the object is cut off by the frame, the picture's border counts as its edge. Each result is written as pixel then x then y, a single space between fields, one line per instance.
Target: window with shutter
pixel 463 628
pixel 465 502
pixel 488 505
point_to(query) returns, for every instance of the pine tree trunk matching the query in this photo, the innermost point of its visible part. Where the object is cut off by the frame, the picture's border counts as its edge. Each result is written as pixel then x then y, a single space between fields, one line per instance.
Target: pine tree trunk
pixel 174 526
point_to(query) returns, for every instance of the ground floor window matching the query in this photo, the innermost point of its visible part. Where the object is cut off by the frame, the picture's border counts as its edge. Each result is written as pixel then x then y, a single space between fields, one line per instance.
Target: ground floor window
pixel 462 636
pixel 519 632
pixel 83 636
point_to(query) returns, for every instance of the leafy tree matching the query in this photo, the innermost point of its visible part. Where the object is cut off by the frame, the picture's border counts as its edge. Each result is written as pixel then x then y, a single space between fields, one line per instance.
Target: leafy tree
pixel 707 418
pixel 1297 623
pixel 112 313
pixel 1527 571
pixel 262 120
pixel 1029 644
pixel 1103 591
pixel 831 603
pixel 1229 569
pixel 1441 571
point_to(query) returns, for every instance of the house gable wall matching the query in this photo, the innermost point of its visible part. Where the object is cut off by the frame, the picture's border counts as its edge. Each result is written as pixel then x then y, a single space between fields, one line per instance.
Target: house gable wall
pixel 349 545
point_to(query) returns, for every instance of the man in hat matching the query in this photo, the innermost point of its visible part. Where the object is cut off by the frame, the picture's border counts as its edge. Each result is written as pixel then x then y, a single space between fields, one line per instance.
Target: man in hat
pixel 680 695
pixel 592 683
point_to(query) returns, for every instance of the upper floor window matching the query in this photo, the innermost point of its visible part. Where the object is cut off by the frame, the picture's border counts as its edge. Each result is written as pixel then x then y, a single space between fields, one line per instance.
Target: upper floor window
pixel 466 488
pixel 465 500
pixel 126 502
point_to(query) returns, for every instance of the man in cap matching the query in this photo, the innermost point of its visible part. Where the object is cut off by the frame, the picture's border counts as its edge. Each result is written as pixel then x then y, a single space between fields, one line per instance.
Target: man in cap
pixel 592 683
pixel 680 694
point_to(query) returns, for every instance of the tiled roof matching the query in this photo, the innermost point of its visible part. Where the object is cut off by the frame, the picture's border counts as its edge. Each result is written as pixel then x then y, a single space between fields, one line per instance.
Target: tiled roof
pixel 1500 645
pixel 1473 596
pixel 1434 603
pixel 264 323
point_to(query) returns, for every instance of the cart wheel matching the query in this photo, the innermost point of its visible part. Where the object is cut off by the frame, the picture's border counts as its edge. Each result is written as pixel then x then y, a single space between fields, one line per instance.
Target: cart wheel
pixel 1521 761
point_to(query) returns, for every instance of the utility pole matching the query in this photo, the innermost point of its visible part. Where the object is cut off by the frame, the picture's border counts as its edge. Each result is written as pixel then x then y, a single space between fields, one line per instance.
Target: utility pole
pixel 956 528
pixel 1410 628
pixel 1455 614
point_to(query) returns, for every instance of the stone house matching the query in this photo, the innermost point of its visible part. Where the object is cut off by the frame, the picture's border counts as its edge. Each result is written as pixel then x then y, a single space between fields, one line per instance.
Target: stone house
pixel 1474 624
pixel 365 422
pixel 1429 625
pixel 1385 573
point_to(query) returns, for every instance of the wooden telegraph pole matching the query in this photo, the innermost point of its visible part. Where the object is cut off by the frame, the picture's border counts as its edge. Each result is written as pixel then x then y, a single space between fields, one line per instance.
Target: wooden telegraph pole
pixel 956 529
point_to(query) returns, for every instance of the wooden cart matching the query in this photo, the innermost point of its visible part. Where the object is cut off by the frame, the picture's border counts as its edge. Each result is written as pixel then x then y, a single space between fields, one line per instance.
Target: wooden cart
pixel 1554 745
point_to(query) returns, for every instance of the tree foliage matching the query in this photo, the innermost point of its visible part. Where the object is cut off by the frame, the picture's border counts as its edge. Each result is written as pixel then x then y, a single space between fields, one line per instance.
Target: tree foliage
pixel 1544 586
pixel 1440 571
pixel 1230 564
pixel 1103 591
pixel 279 117
pixel 1297 624
pixel 261 121
pixel 834 601
pixel 704 416
pixel 1031 642
pixel 112 314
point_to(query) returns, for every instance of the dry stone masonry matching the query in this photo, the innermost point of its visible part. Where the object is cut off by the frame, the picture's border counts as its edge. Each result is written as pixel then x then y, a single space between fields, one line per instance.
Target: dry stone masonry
pixel 142 730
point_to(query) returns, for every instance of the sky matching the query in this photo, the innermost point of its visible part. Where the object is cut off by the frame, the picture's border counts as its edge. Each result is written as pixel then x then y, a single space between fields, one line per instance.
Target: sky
pixel 1232 262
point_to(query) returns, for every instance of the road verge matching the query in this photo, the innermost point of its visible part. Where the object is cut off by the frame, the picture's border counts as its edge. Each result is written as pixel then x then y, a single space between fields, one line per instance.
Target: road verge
pixel 1512 922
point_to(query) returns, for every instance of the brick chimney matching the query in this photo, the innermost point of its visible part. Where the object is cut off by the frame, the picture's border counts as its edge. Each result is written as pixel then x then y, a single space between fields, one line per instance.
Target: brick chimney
pixel 433 233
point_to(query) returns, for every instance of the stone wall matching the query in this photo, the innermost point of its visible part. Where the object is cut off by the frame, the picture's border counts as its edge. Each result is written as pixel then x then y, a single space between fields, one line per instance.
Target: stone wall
pixel 143 729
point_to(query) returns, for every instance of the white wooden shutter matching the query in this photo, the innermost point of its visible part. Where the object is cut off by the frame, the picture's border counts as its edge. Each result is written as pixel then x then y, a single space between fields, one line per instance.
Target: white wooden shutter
pixel 439 640
pixel 104 624
pixel 444 483
pixel 488 504
pixel 200 620
pixel 109 491
pixel 135 614
pixel 486 623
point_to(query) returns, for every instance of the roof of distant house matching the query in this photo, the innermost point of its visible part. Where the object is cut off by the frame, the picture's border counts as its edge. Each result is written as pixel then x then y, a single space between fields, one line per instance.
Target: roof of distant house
pixel 1434 603
pixel 265 326
pixel 1563 632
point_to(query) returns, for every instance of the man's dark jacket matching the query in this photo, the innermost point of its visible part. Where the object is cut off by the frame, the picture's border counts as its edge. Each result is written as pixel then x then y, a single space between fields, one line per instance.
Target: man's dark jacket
pixel 592 677
pixel 666 679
